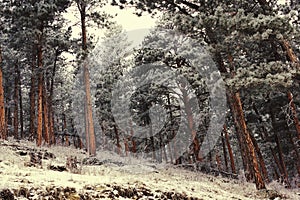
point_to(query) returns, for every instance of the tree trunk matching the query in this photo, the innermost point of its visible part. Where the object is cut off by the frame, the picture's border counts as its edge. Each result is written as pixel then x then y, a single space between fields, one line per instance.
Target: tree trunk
pixel 279 150
pixel 175 152
pixel 45 116
pixel 218 160
pixel 261 160
pixel 239 116
pixel 132 140
pixel 65 131
pixel 294 113
pixel 51 126
pixel 189 113
pixel 154 157
pixel 170 151
pixel 40 111
pixel 86 128
pixel 50 101
pixel 16 103
pixel 277 161
pixel 239 132
pixel 40 96
pixel 296 153
pixel 241 141
pixel 8 118
pixel 224 150
pixel 126 147
pixel 89 112
pixel 233 170
pixel 282 163
pixel 294 59
pixel 163 150
pixel 117 140
pixel 3 130
pixel 21 107
pixel 32 99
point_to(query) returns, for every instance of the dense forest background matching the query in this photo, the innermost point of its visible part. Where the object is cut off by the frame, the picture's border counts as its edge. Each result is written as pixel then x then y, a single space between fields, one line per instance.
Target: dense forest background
pixel 56 88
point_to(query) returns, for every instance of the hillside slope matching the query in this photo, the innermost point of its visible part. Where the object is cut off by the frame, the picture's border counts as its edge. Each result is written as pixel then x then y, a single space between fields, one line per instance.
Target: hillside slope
pixel 109 176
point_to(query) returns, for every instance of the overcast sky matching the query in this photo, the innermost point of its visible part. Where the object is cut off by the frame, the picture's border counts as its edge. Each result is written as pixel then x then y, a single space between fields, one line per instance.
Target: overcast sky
pixel 137 27
pixel 128 20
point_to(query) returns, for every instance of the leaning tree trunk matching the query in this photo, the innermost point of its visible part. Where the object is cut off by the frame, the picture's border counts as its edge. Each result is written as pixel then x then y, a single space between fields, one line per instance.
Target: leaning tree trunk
pixel 240 118
pixel 261 159
pixel 279 150
pixel 3 130
pixel 294 59
pixel 242 129
pixel 233 170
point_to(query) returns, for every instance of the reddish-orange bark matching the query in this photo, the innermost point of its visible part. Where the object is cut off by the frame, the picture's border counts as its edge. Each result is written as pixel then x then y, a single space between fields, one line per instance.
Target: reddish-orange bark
pixel 232 164
pixel 3 130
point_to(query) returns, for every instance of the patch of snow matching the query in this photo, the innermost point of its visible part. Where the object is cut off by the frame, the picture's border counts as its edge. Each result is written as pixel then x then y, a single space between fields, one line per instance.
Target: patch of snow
pixel 123 171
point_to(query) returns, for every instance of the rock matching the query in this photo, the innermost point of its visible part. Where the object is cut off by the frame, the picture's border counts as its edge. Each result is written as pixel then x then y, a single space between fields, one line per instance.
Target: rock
pixel 35 159
pixel 72 164
pixel 23 192
pixel 88 187
pixel 59 168
pixel 22 153
pixel 74 197
pixel 89 192
pixel 96 161
pixel 6 194
pixel 92 161
pixel 116 193
pixel 270 194
pixel 47 155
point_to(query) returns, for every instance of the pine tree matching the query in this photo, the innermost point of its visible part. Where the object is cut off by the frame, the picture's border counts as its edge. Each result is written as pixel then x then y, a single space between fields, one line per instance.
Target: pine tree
pixel 258 60
pixel 101 20
pixel 30 32
pixel 109 60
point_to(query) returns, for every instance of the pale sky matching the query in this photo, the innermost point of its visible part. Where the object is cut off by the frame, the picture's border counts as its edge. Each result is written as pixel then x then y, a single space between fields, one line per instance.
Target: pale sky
pixel 125 17
pixel 130 21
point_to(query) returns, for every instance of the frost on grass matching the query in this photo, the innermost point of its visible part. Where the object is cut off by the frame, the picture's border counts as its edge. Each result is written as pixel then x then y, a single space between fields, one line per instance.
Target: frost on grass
pixel 111 176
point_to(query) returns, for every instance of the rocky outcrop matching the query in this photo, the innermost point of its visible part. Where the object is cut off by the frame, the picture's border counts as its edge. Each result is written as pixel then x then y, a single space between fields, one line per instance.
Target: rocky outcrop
pixel 108 191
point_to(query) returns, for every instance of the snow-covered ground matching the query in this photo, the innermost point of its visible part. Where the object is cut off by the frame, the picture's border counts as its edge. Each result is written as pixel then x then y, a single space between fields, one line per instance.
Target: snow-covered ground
pixel 115 175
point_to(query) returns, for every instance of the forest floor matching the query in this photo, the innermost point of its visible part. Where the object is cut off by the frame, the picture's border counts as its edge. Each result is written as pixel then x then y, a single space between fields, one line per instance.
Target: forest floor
pixel 109 176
